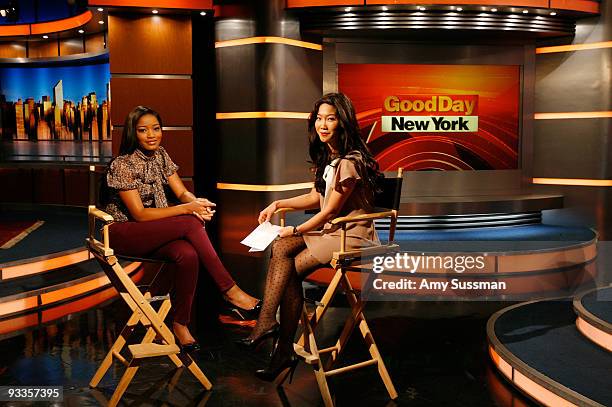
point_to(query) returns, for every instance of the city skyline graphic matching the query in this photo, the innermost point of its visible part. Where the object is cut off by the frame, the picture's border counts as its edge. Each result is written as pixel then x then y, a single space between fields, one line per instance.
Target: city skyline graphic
pixel 55 103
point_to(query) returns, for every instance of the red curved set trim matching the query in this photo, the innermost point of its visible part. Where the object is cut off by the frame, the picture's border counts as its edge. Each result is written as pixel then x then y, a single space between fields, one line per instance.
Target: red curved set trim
pixel 175 4
pixel 47 27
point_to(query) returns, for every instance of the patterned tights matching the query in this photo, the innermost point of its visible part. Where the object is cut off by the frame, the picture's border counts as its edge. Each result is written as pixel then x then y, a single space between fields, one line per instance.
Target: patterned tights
pixel 290 263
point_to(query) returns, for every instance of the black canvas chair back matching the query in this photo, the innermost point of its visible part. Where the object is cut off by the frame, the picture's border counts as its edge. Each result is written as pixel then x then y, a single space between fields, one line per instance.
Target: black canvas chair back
pixel 390 191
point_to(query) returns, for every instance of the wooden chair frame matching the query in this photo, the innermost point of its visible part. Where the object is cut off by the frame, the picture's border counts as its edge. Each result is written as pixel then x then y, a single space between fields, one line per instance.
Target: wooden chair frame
pixel 306 347
pixel 142 313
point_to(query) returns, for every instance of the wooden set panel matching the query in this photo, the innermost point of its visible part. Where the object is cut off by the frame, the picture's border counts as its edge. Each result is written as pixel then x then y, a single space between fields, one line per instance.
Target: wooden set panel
pixel 42 49
pixel 179 144
pixel 172 98
pixel 95 43
pixel 71 46
pixel 16 185
pixel 150 44
pixel 48 186
pixel 13 50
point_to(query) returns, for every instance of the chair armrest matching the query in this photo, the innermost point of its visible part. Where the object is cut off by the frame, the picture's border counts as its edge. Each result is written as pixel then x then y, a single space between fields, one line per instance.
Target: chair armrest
pixel 365 216
pixel 344 257
pixel 99 214
pixel 102 247
pixel 281 214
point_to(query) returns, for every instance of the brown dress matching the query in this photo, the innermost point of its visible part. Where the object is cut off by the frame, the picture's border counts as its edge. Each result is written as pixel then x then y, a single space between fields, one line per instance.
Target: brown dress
pixel 322 244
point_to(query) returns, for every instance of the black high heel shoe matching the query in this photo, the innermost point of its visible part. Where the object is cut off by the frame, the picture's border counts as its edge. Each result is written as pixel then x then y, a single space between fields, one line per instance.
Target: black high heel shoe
pixel 252 344
pixel 242 313
pixel 279 373
pixel 189 347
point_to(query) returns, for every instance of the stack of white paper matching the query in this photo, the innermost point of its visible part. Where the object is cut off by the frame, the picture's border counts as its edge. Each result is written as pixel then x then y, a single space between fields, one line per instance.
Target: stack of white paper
pixel 261 237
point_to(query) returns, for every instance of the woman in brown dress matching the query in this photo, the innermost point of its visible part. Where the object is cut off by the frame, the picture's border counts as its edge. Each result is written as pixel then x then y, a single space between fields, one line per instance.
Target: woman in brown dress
pixel 346 175
pixel 146 226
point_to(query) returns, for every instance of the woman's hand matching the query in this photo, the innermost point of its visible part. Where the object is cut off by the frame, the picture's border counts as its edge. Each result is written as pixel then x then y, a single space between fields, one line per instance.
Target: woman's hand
pixel 286 231
pixel 267 213
pixel 201 208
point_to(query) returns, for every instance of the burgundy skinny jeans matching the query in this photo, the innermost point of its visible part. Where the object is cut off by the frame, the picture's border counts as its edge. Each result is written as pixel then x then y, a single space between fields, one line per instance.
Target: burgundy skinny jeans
pixel 181 240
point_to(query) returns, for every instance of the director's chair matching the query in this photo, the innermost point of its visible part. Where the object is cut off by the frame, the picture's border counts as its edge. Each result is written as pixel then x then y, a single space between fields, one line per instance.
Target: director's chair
pixel 307 348
pixel 142 313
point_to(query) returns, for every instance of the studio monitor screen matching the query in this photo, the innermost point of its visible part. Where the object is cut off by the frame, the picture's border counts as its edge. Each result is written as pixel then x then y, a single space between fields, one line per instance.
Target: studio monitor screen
pixel 437 117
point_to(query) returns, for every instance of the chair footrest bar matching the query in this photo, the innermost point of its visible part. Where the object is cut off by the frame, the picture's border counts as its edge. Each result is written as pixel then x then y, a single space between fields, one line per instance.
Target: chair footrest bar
pixel 313 301
pixel 147 350
pixel 351 367
pixel 307 356
pixel 120 358
pixel 159 298
pixel 327 350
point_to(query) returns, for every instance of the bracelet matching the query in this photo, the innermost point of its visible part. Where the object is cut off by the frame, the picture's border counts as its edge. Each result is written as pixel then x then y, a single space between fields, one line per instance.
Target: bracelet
pixel 296 232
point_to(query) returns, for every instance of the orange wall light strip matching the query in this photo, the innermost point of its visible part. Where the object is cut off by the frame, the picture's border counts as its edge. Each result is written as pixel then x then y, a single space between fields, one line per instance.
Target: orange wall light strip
pixel 36 267
pixel 20 305
pixel 535 390
pixel 81 288
pixel 598 336
pixel 574 182
pixel 574 47
pixel 262 115
pixel 268 40
pixel 264 188
pixel 573 115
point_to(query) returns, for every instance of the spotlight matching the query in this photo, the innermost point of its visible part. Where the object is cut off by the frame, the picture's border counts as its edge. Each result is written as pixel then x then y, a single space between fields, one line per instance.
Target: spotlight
pixel 422 8
pixel 202 13
pixel 459 9
pixel 45 36
pixel 81 31
pixel 493 10
pixel 525 11
pixel 100 22
pixel 154 11
pixel 100 9
pixel 552 13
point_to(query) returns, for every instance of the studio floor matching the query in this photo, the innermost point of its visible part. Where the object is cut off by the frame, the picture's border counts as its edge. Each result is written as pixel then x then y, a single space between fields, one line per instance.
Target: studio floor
pixel 439 361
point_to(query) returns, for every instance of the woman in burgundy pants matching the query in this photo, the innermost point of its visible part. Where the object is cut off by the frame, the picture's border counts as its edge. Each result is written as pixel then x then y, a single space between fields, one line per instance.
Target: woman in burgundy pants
pixel 145 226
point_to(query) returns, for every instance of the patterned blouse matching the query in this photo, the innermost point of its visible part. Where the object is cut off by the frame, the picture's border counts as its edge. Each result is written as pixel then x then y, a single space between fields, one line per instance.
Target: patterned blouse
pixel 147 174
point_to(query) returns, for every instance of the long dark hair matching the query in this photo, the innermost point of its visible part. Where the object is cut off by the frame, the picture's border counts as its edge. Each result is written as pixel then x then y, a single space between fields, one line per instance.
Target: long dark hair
pixel 129 140
pixel 129 144
pixel 349 143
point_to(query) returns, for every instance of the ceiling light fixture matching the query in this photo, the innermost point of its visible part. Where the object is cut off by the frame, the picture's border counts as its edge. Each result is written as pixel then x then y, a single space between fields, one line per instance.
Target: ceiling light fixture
pixel 81 31
pixel 552 13
pixel 100 22
pixel 45 36
pixel 459 9
pixel 385 8
pixel 493 10
pixel 422 8
pixel 525 11
pixel 100 9
pixel 202 13
pixel 154 11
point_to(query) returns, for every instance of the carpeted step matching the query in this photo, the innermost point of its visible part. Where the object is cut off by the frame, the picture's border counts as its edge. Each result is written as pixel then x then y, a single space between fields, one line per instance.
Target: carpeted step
pixel 538 348
pixel 594 310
